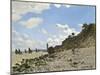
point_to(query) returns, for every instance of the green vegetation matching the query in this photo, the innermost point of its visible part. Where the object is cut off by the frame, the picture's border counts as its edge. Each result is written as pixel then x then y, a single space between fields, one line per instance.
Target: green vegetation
pixel 29 64
pixel 50 50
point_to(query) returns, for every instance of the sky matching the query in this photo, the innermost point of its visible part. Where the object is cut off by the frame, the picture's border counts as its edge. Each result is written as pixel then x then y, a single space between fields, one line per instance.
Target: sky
pixel 36 24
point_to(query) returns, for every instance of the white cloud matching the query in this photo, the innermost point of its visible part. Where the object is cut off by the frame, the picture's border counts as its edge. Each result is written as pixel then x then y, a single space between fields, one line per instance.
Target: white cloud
pixel 25 35
pixel 25 7
pixel 40 7
pixel 67 6
pixel 54 41
pixel 80 25
pixel 44 31
pixel 21 8
pixel 62 26
pixel 32 22
pixel 15 17
pixel 66 29
pixel 63 32
pixel 60 5
pixel 23 41
pixel 57 5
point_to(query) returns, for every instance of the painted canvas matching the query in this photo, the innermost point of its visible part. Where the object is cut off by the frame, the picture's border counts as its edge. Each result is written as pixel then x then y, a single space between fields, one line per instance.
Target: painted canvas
pixel 52 37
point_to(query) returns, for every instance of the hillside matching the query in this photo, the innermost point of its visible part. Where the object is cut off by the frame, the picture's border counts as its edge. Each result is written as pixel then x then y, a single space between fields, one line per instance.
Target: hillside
pixel 86 38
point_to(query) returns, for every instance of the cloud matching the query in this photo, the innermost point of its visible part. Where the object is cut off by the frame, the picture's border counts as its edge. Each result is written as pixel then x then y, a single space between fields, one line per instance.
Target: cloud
pixel 67 6
pixel 40 7
pixel 54 41
pixel 25 7
pixel 63 32
pixel 80 25
pixel 22 8
pixel 57 5
pixel 60 5
pixel 66 29
pixel 23 41
pixel 62 26
pixel 44 31
pixel 15 17
pixel 32 22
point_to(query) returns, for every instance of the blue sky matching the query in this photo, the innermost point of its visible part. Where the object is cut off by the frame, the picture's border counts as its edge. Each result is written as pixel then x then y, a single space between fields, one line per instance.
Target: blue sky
pixel 35 24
